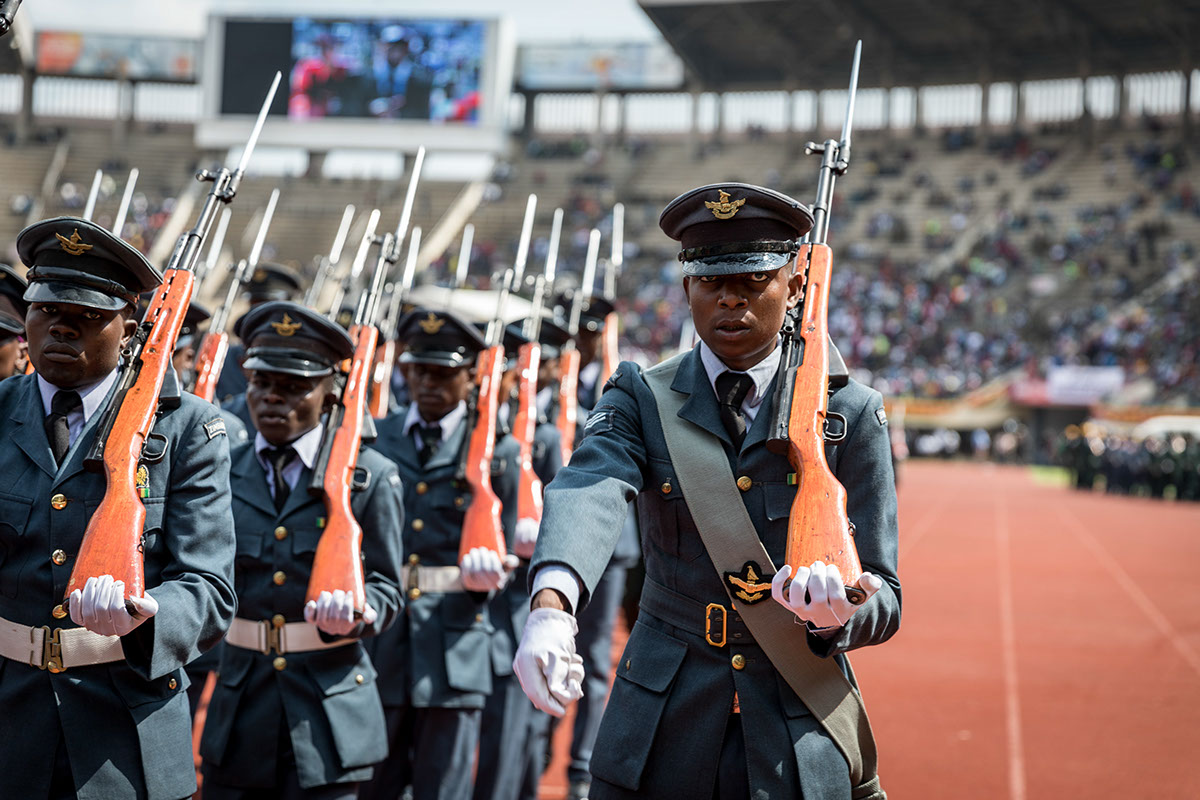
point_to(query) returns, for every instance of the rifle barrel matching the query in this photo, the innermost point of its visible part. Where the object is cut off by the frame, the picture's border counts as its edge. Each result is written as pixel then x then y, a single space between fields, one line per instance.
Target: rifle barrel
pixel 93 193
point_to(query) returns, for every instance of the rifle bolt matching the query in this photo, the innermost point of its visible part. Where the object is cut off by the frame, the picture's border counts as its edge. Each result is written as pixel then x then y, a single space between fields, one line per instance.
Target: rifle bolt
pixel 58 557
pixel 279 578
pixel 58 502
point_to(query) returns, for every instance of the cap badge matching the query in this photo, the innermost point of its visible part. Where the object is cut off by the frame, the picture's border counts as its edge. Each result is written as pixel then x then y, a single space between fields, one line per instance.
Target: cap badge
pixel 74 245
pixel 723 208
pixel 285 327
pixel 260 276
pixel 432 323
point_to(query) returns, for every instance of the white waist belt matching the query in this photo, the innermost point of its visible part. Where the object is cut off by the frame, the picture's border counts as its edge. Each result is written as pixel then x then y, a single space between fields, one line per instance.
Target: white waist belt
pixel 291 637
pixel 57 649
pixel 431 579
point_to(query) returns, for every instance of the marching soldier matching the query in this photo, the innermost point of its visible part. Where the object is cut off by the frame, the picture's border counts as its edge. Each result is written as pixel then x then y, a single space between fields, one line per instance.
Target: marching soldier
pixel 95 704
pixel 296 713
pixel 435 664
pixel 268 283
pixel 13 355
pixel 698 709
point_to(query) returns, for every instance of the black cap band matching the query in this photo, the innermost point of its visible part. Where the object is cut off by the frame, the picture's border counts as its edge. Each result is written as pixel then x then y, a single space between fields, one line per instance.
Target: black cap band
pixel 709 250
pixel 87 280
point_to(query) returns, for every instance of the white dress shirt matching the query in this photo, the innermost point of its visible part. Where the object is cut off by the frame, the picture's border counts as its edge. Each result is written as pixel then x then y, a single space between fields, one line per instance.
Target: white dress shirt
pixel 448 423
pixel 92 397
pixel 306 448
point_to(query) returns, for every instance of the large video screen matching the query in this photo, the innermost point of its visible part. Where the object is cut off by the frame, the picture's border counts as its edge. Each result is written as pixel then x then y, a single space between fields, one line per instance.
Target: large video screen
pixel 423 70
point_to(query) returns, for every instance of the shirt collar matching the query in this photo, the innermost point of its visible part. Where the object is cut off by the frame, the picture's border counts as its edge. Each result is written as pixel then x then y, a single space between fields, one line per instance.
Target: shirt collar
pixel 92 396
pixel 761 373
pixel 306 446
pixel 447 423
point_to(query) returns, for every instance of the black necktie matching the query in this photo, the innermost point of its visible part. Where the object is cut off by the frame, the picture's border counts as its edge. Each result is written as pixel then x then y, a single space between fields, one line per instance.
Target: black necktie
pixel 732 388
pixel 279 458
pixel 431 437
pixel 58 432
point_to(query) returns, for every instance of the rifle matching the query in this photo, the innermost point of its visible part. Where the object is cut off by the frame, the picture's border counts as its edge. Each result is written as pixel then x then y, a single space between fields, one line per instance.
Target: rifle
pixel 608 345
pixel 210 359
pixel 93 193
pixel 214 249
pixel 818 527
pixel 113 538
pixel 385 361
pixel 327 264
pixel 8 11
pixel 568 382
pixel 123 209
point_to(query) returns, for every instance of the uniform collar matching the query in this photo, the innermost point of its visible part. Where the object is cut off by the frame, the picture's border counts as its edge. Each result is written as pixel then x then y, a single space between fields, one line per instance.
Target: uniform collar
pixel 92 396
pixel 306 446
pixel 448 423
pixel 761 373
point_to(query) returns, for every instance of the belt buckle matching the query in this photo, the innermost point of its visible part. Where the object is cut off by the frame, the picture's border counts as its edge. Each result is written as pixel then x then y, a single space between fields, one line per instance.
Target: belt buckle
pixel 710 624
pixel 274 638
pixel 51 649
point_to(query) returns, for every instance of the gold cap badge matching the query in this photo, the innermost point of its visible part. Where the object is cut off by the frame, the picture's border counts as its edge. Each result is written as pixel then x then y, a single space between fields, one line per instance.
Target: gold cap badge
pixel 432 323
pixel 746 584
pixel 74 245
pixel 260 276
pixel 724 208
pixel 285 327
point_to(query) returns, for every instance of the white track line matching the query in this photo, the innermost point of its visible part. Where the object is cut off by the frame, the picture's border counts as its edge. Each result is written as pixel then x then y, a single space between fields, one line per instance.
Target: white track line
pixel 1008 640
pixel 1131 587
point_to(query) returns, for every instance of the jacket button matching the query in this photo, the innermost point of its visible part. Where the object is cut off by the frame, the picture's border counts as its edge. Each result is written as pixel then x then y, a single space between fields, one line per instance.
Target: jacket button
pixel 739 661
pixel 414 593
pixel 280 664
pixel 359 678
pixel 666 488
pixel 58 557
pixel 171 684
pixel 279 578
pixel 58 502
pixel 281 533
pixel 413 558
pixel 418 524
pixel 459 502
pixel 744 483
pixel 58 612
pixel 479 617
pixel 278 620
pixel 422 487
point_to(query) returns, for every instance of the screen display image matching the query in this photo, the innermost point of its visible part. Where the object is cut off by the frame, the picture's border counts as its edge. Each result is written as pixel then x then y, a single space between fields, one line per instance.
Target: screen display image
pixel 426 70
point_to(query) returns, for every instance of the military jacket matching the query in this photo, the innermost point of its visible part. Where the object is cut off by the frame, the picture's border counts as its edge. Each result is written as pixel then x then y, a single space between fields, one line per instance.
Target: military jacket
pixel 661 735
pixel 438 654
pixel 232 381
pixel 326 699
pixel 125 725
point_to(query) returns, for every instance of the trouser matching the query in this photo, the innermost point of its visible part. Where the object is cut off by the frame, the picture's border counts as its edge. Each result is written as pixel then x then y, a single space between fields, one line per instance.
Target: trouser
pixel 287 781
pixel 537 754
pixel 431 749
pixel 503 741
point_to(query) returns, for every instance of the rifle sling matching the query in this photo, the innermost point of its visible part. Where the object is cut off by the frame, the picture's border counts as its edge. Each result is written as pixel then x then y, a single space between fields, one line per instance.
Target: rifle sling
pixel 728 534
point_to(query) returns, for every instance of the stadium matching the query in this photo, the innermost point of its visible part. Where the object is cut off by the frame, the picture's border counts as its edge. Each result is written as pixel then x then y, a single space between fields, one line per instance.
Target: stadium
pixel 1015 270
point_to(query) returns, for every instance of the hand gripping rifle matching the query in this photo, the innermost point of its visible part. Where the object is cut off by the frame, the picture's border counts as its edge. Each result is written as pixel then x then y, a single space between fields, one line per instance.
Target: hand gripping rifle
pixel 112 542
pixel 608 345
pixel 818 527
pixel 568 382
pixel 210 359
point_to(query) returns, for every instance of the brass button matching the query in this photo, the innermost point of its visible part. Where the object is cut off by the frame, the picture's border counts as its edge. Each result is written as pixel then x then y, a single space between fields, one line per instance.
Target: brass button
pixel 58 612
pixel 281 533
pixel 422 487
pixel 418 524
pixel 413 558
pixel 58 502
pixel 666 488
pixel 739 661
pixel 278 620
pixel 628 662
pixel 58 557
pixel 459 502
pixel 171 684
pixel 359 678
pixel 479 617
pixel 744 483
pixel 414 593
pixel 280 664
pixel 279 578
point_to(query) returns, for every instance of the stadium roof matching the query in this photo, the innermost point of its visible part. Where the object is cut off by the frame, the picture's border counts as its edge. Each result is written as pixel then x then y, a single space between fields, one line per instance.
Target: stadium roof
pixel 807 44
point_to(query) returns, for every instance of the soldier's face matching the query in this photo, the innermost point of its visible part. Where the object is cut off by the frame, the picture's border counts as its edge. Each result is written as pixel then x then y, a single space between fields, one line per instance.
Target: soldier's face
pixel 285 407
pixel 548 372
pixel 588 343
pixel 12 357
pixel 72 346
pixel 739 316
pixel 437 389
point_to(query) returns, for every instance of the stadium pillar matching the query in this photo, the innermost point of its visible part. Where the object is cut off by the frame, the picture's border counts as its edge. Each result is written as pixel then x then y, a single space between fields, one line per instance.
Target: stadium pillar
pixel 24 125
pixel 1185 106
pixel 694 130
pixel 527 126
pixel 1122 102
pixel 719 120
pixel 985 103
pixel 619 135
pixel 1018 105
pixel 918 112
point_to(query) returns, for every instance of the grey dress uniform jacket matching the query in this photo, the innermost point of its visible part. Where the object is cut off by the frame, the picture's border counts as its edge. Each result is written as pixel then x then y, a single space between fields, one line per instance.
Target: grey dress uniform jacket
pixel 326 699
pixel 125 725
pixel 667 715
pixel 438 654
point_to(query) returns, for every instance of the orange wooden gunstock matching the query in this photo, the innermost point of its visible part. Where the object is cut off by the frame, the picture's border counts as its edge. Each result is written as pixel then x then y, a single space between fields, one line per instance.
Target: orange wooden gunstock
pixel 209 363
pixel 819 528
pixel 568 401
pixel 529 487
pixel 481 524
pixel 608 348
pixel 381 378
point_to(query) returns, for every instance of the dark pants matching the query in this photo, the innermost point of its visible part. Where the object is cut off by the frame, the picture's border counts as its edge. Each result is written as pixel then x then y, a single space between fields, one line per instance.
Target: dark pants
pixel 504 741
pixel 287 781
pixel 431 749
pixel 537 753
pixel 594 643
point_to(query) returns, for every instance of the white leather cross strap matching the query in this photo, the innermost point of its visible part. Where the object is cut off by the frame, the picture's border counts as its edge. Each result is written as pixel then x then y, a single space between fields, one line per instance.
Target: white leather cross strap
pixel 57 649
pixel 265 637
pixel 431 579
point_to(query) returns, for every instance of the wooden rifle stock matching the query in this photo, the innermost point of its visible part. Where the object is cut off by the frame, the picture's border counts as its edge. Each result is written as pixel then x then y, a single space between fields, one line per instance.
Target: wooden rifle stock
pixel 481 524
pixel 568 401
pixel 819 528
pixel 529 487
pixel 381 378
pixel 209 363
pixel 608 348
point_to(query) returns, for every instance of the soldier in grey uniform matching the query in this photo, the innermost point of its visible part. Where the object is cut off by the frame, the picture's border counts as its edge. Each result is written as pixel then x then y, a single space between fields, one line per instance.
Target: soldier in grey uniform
pixel 95 705
pixel 435 664
pixel 296 712
pixel 13 355
pixel 698 711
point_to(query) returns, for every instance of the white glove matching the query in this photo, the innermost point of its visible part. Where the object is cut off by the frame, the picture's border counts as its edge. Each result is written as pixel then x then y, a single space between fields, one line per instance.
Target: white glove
pixel 549 669
pixel 827 605
pixel 483 571
pixel 333 612
pixel 100 607
pixel 525 537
